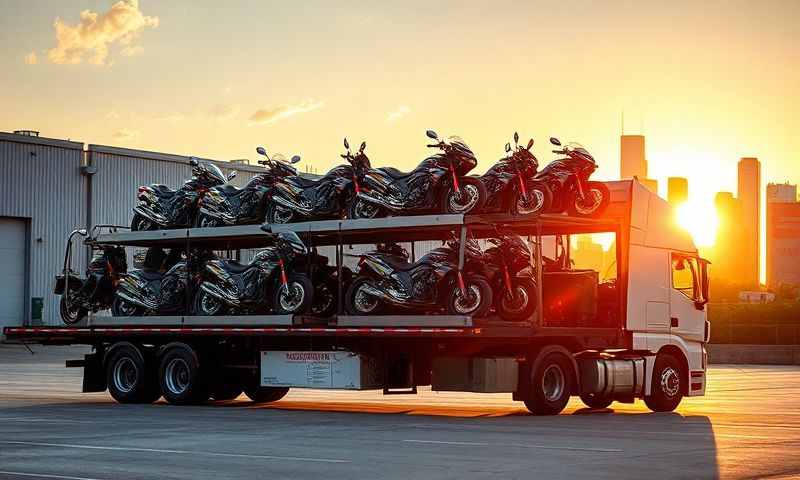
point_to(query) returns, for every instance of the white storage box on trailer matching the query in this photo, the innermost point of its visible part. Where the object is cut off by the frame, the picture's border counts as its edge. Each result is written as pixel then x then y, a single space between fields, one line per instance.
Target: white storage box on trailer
pixel 320 369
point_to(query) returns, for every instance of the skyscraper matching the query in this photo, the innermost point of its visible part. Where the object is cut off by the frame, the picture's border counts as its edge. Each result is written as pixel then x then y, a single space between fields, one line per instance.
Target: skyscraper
pixel 677 190
pixel 783 236
pixel 749 194
pixel 726 258
pixel 631 157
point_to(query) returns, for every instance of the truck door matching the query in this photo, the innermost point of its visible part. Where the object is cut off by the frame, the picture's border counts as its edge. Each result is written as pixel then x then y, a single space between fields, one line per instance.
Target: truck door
pixel 686 305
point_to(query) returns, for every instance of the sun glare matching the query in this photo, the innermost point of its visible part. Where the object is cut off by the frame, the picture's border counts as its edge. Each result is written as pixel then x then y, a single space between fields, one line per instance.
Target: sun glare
pixel 700 220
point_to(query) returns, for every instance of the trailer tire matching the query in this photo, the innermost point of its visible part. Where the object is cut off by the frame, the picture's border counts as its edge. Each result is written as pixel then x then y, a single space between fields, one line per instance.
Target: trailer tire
pixel 552 383
pixel 225 390
pixel 181 376
pixel 668 384
pixel 265 394
pixel 128 377
pixel 592 400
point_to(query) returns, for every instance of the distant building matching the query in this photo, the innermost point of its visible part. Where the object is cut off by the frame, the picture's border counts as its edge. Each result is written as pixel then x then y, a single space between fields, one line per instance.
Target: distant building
pixel 756 297
pixel 631 156
pixel 726 257
pixel 783 236
pixel 749 194
pixel 677 190
pixel 781 193
pixel 650 183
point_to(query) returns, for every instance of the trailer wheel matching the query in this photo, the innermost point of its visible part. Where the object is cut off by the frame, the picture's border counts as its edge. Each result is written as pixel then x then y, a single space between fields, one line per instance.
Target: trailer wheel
pixel 593 400
pixel 668 384
pixel 128 377
pixel 181 376
pixel 551 385
pixel 265 394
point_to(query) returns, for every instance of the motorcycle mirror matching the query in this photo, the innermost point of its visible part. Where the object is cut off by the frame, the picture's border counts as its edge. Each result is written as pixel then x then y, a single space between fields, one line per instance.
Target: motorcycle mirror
pixel 261 151
pixel 346 144
pixel 193 162
pixel 82 231
pixel 555 141
pixel 232 175
pixel 363 146
pixel 516 137
pixel 295 159
pixel 432 134
pixel 508 147
pixel 530 144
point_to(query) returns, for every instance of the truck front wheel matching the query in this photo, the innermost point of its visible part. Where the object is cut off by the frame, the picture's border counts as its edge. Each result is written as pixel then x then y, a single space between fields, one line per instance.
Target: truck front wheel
pixel 668 384
pixel 551 385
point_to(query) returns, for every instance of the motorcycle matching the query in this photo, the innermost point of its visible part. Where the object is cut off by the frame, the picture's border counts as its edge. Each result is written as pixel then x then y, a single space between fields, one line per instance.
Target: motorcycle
pixel 325 279
pixel 161 286
pixel 79 296
pixel 267 283
pixel 161 208
pixel 509 184
pixel 568 180
pixel 438 184
pixel 386 279
pixel 230 205
pixel 511 276
pixel 297 198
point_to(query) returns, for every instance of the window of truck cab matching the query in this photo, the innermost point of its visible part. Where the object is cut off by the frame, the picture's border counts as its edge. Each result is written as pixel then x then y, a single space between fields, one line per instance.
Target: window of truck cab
pixel 685 277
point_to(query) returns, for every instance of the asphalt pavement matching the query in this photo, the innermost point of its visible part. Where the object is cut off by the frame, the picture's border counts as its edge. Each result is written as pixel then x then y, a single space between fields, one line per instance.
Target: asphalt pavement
pixel 747 426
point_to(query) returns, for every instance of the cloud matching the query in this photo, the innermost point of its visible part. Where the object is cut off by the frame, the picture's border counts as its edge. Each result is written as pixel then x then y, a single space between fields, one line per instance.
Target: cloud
pixel 92 36
pixel 268 116
pixel 31 59
pixel 112 115
pixel 125 134
pixel 396 115
pixel 224 112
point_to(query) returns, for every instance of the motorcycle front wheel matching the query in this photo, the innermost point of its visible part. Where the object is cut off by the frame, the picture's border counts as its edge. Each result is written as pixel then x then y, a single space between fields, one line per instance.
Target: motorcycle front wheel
pixel 538 200
pixel 141 224
pixel 123 308
pixel 475 300
pixel 595 203
pixel 70 314
pixel 358 208
pixel 278 214
pixel 520 303
pixel 206 221
pixel 469 199
pixel 295 297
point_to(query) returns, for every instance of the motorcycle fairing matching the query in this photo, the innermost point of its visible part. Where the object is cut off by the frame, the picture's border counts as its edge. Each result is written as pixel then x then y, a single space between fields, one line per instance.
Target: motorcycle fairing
pixel 409 191
pixel 321 197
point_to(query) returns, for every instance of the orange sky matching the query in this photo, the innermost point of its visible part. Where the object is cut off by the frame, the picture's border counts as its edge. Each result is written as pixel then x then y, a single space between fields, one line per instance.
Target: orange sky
pixel 706 82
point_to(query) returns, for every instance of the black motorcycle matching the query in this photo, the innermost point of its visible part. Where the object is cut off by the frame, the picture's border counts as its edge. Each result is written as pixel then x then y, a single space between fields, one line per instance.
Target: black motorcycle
pixel 297 198
pixel 266 284
pixel 508 265
pixel 161 208
pixel 161 286
pixel 387 280
pixel 509 183
pixel 230 205
pixel 79 296
pixel 438 184
pixel 568 180
pixel 325 278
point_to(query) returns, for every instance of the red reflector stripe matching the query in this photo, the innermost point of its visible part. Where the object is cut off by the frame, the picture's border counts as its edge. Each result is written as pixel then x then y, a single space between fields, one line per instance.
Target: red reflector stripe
pixel 697 386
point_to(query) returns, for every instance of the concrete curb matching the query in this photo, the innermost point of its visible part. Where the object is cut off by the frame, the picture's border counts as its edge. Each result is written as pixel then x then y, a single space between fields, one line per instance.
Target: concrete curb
pixel 754 354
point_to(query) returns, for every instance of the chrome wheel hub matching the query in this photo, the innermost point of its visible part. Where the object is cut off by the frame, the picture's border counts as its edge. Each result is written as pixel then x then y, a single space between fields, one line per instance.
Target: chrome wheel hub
pixel 177 376
pixel 364 302
pixel 532 204
pixel 292 296
pixel 670 382
pixel 553 383
pixel 516 301
pixel 465 200
pixel 125 375
pixel 466 304
pixel 591 203
pixel 210 305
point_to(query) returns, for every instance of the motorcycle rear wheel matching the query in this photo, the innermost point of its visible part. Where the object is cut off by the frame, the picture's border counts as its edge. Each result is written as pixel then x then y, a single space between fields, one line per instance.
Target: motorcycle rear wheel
pixel 141 224
pixel 357 302
pixel 206 221
pixel 470 199
pixel 359 208
pixel 70 316
pixel 477 301
pixel 278 214
pixel 598 197
pixel 206 305
pixel 521 305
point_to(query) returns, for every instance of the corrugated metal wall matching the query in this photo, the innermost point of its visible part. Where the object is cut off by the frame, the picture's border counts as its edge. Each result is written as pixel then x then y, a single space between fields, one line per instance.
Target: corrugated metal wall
pixel 40 180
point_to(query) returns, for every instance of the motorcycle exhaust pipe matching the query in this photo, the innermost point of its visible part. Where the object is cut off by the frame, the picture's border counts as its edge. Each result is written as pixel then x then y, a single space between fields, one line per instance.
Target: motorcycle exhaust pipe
pixel 149 214
pixel 137 301
pixel 219 294
pixel 285 202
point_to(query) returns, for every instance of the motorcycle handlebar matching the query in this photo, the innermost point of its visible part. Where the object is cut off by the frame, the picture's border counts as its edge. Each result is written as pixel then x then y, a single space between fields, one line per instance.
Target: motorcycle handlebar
pixel 433 145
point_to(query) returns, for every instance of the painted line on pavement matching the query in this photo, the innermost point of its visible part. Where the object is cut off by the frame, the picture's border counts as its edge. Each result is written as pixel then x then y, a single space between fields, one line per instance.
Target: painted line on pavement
pixel 521 445
pixel 178 452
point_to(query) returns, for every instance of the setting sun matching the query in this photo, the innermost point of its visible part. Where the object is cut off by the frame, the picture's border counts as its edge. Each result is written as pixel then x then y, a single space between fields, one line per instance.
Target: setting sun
pixel 700 220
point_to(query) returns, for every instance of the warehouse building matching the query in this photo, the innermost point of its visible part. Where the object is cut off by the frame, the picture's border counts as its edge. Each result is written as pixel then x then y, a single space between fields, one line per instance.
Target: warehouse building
pixel 50 187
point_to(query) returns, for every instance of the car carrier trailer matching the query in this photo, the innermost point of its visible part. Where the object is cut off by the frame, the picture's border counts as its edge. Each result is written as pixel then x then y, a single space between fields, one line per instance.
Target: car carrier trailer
pixel 643 337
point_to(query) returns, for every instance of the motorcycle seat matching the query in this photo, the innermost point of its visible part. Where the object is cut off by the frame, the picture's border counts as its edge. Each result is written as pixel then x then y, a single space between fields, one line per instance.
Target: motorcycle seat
pixel 303 182
pixel 394 173
pixel 235 267
pixel 229 190
pixel 163 190
pixel 150 274
pixel 397 263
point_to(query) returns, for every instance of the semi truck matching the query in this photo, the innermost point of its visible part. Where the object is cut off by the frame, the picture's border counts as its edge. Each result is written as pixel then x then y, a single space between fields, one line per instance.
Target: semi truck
pixel 639 332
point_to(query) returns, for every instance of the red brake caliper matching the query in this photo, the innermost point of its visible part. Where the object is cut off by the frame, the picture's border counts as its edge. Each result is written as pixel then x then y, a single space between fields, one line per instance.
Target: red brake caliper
pixel 455 178
pixel 461 284
pixel 522 187
pixel 284 280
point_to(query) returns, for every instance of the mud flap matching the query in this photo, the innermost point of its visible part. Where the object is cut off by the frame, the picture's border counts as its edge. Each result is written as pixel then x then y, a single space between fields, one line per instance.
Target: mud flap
pixel 94 375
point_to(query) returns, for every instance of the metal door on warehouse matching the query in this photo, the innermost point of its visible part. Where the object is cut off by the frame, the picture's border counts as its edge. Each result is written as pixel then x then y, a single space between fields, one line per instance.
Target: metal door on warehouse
pixel 13 278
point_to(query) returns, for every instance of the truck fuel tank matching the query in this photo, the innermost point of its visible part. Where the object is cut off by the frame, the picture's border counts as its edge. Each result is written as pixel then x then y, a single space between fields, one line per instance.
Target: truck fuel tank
pixel 606 375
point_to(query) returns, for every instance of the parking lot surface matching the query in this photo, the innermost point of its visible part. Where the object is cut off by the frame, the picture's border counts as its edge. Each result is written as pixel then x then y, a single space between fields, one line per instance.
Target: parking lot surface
pixel 748 426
